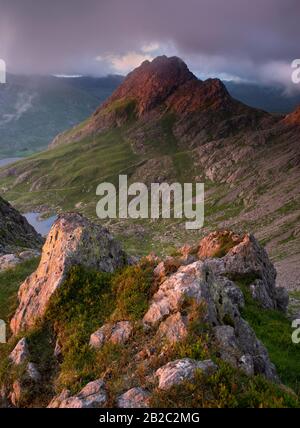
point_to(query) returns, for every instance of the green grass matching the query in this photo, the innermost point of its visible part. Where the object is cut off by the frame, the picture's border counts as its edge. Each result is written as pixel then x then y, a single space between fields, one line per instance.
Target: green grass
pixel 274 329
pixel 71 173
pixel 133 288
pixel 295 294
pixel 228 388
pixel 76 310
pixel 88 299
pixel 10 281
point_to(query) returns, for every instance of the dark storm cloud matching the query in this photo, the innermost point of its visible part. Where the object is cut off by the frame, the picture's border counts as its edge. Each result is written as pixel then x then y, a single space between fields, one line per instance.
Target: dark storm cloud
pixel 234 36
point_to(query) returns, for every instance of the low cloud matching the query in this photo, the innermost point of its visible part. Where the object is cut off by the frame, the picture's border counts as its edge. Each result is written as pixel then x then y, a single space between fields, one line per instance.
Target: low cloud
pixel 23 103
pixel 233 38
pixel 122 64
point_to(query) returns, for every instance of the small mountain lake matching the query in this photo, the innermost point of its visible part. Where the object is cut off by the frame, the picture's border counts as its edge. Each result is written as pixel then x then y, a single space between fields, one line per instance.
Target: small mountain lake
pixel 42 226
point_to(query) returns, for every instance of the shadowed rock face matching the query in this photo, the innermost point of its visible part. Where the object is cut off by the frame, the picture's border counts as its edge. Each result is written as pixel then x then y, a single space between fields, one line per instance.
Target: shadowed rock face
pixel 73 240
pixel 15 231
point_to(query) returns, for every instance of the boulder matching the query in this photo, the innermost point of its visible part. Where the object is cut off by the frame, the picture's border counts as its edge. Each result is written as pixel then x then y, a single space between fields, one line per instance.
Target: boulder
pixel 217 244
pixel 189 282
pixel 135 398
pixel 121 332
pixel 93 395
pixel 118 333
pixel 229 349
pixel 173 329
pixel 245 258
pixel 73 240
pixel 178 371
pixel 20 353
pixel 58 399
pixel 9 261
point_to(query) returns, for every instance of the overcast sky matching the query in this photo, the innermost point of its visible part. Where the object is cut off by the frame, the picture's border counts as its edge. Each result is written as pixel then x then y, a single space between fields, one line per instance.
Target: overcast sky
pixel 241 39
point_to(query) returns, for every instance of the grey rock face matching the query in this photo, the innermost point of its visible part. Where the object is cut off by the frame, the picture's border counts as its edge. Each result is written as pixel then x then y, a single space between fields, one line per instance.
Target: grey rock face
pixel 250 345
pixel 282 298
pixel 248 259
pixel 73 240
pixel 93 395
pixel 134 398
pixel 177 371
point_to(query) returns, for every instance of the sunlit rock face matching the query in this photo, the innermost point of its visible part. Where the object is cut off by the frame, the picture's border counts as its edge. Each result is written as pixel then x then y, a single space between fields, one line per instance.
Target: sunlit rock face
pixel 73 240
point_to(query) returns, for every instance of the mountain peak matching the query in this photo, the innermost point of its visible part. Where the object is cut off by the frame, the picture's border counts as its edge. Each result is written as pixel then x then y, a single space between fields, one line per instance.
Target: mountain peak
pixel 152 83
pixel 166 85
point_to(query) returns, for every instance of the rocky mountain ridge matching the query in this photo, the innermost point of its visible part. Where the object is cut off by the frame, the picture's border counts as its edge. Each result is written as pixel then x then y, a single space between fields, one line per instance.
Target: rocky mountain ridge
pixel 176 320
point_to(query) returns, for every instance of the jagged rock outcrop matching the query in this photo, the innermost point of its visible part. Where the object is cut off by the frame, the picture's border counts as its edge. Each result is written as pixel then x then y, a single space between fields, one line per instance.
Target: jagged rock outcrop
pixel 211 282
pixel 93 395
pixel 241 256
pixel 73 240
pixel 15 231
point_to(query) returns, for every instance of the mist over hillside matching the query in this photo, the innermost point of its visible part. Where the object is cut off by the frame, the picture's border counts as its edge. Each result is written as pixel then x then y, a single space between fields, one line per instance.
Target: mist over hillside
pixel 34 109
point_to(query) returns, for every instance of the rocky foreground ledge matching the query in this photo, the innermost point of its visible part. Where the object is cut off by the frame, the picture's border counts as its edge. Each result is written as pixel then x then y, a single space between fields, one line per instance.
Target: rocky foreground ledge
pixel 194 300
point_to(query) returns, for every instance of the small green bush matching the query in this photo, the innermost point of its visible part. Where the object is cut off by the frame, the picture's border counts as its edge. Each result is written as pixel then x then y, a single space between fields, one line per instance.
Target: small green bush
pixel 133 289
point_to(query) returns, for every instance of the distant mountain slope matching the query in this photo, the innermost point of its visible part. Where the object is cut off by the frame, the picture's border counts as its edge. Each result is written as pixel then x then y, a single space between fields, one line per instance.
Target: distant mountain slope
pixel 35 109
pixel 163 124
pixel 270 98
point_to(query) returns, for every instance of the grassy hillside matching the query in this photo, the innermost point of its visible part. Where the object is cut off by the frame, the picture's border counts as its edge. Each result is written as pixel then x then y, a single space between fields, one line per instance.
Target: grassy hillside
pixel 88 299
